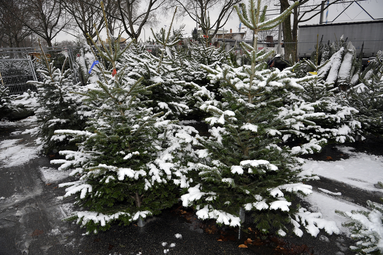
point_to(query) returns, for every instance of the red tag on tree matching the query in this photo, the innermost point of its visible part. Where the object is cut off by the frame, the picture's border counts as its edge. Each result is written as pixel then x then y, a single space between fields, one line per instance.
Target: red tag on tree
pixel 114 72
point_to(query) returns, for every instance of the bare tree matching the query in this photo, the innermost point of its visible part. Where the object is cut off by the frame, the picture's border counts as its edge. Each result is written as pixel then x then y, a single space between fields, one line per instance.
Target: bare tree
pixel 46 18
pixel 134 14
pixel 199 11
pixel 88 15
pixel 302 13
pixel 13 32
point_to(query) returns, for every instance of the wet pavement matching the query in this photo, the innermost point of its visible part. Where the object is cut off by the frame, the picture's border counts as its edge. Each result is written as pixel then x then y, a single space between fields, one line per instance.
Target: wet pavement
pixel 32 213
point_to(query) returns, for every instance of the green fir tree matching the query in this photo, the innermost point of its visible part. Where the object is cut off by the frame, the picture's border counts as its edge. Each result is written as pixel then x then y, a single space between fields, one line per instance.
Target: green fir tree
pixel 367 97
pixel 243 164
pixel 327 117
pixel 5 101
pixel 366 228
pixel 124 161
pixel 59 105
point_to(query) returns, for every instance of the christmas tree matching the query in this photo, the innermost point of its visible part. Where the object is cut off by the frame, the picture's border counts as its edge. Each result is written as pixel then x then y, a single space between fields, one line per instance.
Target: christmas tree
pixel 326 115
pixel 5 101
pixel 59 105
pixel 243 164
pixel 366 97
pixel 124 163
pixel 366 228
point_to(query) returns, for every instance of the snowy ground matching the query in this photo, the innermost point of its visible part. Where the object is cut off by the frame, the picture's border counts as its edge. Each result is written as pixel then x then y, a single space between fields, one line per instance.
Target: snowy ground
pixel 361 171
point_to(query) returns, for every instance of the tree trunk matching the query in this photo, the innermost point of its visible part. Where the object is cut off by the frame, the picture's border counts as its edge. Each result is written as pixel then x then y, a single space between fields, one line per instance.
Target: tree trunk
pixel 295 33
pixel 49 42
pixel 137 198
pixel 288 38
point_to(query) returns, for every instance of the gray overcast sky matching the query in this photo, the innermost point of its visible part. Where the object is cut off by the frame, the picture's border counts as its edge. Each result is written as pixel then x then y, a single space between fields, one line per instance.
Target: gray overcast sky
pixel 353 14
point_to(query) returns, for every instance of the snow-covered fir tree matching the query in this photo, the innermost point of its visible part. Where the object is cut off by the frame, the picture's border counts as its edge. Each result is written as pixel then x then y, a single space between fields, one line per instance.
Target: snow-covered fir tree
pixel 366 228
pixel 326 115
pixel 170 94
pixel 5 101
pixel 176 72
pixel 243 163
pixel 124 161
pixel 367 97
pixel 59 105
pixel 197 54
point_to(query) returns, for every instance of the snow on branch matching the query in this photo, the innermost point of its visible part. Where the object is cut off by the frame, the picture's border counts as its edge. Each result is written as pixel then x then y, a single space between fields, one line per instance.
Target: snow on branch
pixel 208 212
pixel 313 223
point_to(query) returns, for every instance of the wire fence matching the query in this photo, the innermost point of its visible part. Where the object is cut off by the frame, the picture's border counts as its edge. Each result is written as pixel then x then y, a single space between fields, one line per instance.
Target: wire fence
pixel 19 65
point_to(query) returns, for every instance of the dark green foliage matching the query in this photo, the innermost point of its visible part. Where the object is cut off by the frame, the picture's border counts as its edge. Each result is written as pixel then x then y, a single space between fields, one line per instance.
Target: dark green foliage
pixel 243 163
pixel 125 173
pixel 367 97
pixel 328 117
pixel 60 107
pixel 5 101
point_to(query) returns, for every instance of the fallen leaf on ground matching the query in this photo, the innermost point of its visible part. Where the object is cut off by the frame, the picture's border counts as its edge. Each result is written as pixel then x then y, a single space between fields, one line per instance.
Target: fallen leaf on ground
pixel 248 241
pixel 37 232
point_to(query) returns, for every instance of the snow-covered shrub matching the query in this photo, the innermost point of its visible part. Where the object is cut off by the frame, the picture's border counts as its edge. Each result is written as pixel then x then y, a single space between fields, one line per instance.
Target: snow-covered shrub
pixel 185 59
pixel 11 111
pixel 366 228
pixel 170 93
pixel 59 105
pixel 195 55
pixel 207 55
pixel 176 72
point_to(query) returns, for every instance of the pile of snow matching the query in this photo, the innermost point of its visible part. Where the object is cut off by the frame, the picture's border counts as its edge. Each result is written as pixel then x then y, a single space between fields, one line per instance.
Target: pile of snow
pixel 360 170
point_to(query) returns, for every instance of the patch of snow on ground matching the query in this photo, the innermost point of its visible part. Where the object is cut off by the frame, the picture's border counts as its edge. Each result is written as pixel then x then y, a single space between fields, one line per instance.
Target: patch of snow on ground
pixel 330 192
pixel 167 246
pixel 52 175
pixel 66 210
pixel 360 170
pixel 14 153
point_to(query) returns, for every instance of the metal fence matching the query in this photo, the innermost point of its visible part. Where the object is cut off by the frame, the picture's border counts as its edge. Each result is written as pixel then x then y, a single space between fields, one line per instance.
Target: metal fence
pixel 19 65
